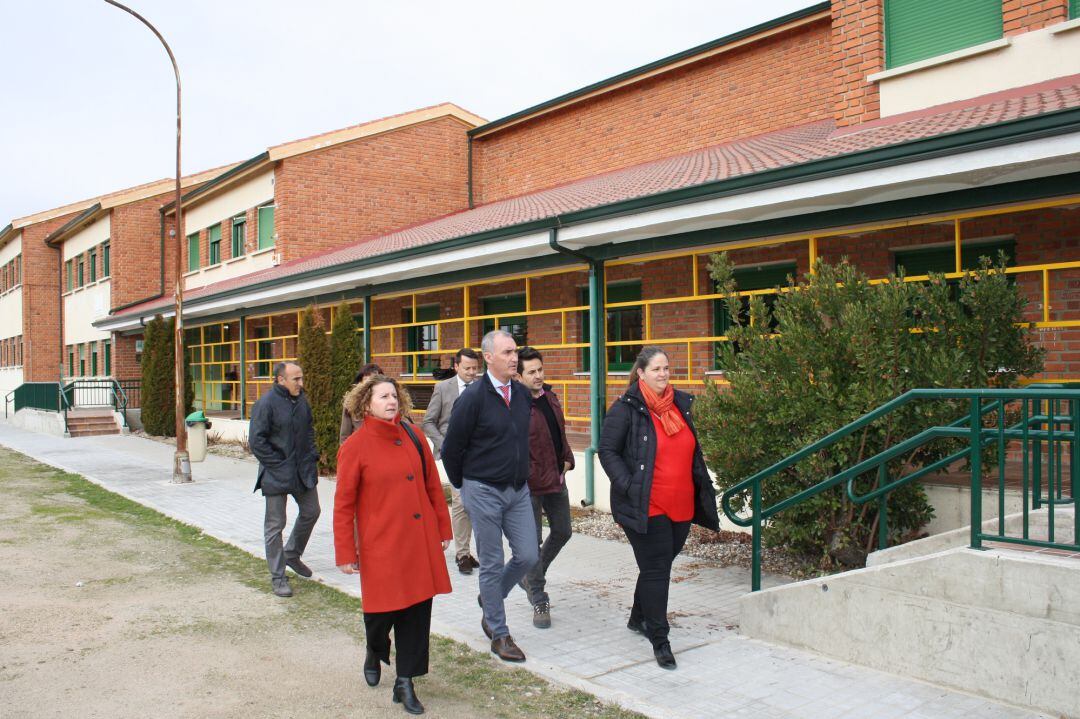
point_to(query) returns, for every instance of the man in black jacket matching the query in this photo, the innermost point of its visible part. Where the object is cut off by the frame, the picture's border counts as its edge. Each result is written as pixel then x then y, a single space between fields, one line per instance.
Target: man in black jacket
pixel 486 455
pixel 282 438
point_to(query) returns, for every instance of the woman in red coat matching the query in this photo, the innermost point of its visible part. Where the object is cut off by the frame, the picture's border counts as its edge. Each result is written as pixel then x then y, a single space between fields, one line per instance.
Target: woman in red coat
pixel 389 486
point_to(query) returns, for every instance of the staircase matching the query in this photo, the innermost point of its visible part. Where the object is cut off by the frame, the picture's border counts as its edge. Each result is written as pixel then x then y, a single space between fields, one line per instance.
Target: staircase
pixel 992 608
pixel 91 422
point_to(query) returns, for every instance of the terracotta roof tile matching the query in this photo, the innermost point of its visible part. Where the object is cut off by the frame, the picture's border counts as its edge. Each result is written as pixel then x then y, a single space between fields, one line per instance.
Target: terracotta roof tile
pixel 783 148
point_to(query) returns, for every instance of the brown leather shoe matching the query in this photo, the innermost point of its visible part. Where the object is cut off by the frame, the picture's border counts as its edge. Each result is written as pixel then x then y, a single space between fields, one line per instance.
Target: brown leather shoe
pixel 507 650
pixel 464 566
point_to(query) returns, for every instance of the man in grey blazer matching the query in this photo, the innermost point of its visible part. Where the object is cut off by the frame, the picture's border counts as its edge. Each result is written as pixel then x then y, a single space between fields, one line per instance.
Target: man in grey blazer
pixel 436 420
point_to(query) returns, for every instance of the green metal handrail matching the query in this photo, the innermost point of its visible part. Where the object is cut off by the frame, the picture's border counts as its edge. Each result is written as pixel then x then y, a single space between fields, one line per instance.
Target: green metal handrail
pixel 49 396
pixel 98 393
pixel 970 426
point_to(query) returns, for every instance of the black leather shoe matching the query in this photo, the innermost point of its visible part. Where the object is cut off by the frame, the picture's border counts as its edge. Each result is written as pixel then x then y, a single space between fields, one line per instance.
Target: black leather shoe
pixel 299 567
pixel 464 566
pixel 405 695
pixel 636 625
pixel 372 669
pixel 664 657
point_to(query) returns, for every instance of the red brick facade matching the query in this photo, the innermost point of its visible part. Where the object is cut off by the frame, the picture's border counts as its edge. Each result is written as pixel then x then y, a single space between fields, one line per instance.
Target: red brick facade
pixel 778 82
pixel 41 302
pixel 858 49
pixel 135 249
pixel 344 193
pixel 1020 16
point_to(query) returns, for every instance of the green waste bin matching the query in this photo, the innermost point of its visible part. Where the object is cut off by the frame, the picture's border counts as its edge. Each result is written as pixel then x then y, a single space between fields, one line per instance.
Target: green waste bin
pixel 197 424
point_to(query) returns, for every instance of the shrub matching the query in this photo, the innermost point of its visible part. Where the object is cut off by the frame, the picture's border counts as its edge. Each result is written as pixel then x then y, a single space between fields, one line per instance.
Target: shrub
pixel 832 348
pixel 313 356
pixel 158 388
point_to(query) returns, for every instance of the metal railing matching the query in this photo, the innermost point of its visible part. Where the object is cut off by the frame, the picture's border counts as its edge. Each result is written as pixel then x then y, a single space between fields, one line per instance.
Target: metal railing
pixel 132 389
pixel 98 393
pixel 48 396
pixel 1042 414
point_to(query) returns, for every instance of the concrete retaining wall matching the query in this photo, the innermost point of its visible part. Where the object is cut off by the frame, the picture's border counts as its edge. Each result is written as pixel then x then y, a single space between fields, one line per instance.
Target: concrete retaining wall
pixel 1005 625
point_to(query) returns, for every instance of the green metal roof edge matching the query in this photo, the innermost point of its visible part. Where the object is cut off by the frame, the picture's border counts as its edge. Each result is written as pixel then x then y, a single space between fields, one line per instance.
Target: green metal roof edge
pixel 656 64
pixel 5 232
pixel 71 224
pixel 1012 131
pixel 223 177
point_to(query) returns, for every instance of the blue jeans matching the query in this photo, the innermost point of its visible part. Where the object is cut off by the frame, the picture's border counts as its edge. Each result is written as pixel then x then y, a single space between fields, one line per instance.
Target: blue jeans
pixel 496 510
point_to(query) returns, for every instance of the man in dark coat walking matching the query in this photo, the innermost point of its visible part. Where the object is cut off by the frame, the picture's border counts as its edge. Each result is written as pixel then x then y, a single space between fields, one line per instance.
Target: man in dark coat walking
pixel 282 438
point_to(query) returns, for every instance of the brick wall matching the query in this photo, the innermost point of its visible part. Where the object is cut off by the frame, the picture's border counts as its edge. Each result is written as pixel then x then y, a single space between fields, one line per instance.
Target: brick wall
pixel 858 49
pixel 777 82
pixel 370 186
pixel 1020 16
pixel 41 302
pixel 135 250
pixel 125 363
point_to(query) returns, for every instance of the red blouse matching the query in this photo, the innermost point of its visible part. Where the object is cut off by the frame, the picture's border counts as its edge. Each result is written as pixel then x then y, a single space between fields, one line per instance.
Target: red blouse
pixel 673 481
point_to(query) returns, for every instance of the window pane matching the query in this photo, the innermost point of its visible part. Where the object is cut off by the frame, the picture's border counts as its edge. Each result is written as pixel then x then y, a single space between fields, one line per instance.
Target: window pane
pixel 214 241
pixel 238 226
pixel 93 266
pixel 105 270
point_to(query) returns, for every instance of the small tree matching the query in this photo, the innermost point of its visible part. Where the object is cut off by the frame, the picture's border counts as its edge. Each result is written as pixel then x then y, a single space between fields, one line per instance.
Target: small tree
pixel 345 356
pixel 150 387
pixel 313 355
pixel 833 348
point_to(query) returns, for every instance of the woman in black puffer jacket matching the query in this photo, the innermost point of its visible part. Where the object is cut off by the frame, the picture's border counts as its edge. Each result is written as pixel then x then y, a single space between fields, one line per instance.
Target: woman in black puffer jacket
pixel 659 486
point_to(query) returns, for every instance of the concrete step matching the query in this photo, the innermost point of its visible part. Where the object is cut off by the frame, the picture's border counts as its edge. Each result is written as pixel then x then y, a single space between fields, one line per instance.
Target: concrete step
pixel 999 623
pixel 92 432
pixel 1038 528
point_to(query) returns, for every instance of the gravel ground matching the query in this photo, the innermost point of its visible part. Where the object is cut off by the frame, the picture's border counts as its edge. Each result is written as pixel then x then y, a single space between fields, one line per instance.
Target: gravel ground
pixel 726 549
pixel 223 449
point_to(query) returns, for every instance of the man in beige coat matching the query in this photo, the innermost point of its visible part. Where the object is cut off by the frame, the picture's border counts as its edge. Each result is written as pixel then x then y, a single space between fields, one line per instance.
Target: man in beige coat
pixel 436 420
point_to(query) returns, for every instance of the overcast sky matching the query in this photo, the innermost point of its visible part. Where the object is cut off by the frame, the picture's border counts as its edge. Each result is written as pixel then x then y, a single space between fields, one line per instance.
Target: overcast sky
pixel 87 95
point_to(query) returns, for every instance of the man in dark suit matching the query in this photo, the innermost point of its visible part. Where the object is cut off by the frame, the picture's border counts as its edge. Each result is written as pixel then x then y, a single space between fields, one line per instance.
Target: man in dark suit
pixel 282 438
pixel 436 420
pixel 486 456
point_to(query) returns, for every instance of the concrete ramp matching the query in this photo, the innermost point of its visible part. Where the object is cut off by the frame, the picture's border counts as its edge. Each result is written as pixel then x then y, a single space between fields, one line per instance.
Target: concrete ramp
pixel 1000 623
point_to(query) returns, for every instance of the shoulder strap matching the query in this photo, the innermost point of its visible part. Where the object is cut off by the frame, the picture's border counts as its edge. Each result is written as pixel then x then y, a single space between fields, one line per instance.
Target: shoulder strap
pixel 419 449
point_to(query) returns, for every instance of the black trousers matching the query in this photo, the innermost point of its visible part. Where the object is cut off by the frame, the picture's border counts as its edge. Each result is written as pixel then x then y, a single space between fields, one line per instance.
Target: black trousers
pixel 654 551
pixel 412 631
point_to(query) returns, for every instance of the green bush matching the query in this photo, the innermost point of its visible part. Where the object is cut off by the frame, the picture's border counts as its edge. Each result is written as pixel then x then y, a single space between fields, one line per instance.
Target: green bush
pixel 313 356
pixel 832 348
pixel 158 388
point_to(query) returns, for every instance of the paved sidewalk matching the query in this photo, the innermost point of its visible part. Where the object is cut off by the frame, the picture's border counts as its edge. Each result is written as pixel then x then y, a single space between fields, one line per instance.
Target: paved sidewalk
pixel 591 585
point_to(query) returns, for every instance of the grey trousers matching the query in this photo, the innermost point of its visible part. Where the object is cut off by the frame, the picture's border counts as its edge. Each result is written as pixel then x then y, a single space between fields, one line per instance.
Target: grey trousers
pixel 274 525
pixel 496 510
pixel 557 508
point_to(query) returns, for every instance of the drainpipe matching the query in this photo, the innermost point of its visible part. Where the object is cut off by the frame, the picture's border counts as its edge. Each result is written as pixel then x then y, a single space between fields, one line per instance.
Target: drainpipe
pixel 470 178
pixel 597 375
pixel 367 329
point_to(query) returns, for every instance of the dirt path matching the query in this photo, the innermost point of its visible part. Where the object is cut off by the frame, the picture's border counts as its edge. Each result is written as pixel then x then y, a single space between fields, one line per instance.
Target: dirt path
pixel 110 610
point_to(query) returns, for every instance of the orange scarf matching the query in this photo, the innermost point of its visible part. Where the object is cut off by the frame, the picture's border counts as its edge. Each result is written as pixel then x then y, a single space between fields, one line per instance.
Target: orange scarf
pixel 663 406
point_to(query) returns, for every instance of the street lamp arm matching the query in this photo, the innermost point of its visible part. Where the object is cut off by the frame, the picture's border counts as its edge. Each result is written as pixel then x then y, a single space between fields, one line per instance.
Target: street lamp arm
pixel 144 21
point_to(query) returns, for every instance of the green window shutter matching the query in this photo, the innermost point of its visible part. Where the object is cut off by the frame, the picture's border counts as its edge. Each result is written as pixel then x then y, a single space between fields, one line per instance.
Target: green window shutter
pixel 238 226
pixel 70 275
pixel 108 357
pixel 80 263
pixel 266 227
pixel 93 266
pixel 919 29
pixel 516 326
pixel 71 361
pixel 93 360
pixel 213 236
pixel 1074 9
pixel 193 251
pixel 105 261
